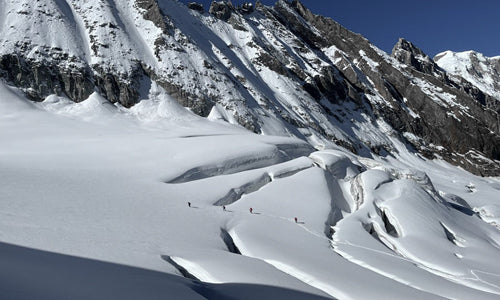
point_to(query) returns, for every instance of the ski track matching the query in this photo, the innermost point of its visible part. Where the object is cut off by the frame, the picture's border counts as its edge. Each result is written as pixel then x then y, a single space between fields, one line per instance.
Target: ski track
pixel 296 273
pixel 460 280
pixel 204 275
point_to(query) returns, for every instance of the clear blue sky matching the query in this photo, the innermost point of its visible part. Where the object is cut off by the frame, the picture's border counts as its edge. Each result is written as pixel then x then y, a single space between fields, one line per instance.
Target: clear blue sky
pixel 432 25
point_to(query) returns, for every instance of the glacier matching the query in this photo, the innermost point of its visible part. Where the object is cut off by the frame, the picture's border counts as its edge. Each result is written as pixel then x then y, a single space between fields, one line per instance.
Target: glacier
pixel 94 191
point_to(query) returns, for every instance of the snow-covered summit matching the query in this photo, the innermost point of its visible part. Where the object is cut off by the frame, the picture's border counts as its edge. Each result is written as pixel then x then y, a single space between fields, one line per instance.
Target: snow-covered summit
pixel 481 71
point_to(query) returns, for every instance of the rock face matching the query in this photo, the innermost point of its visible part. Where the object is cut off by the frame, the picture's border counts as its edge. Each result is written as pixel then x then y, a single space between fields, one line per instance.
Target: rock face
pixel 418 103
pixel 153 13
pixel 407 53
pixel 40 79
pixel 274 70
pixel 246 8
pixel 221 9
pixel 196 6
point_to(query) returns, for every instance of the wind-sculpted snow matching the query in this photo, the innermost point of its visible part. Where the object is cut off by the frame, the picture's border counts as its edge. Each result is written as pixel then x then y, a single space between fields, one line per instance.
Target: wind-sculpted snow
pixel 89 179
pixel 247 161
pixel 418 222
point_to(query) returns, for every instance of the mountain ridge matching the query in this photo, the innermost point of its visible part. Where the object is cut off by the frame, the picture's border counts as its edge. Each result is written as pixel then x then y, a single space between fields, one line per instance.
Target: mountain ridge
pixel 477 69
pixel 273 70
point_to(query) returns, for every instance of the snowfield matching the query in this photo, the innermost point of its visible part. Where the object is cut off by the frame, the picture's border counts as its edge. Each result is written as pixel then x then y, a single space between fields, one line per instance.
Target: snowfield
pixel 94 204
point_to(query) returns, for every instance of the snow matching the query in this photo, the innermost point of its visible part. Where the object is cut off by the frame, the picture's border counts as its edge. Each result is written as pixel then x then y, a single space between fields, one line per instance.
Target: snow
pixel 58 276
pixel 442 98
pixel 22 23
pixel 373 65
pixel 98 182
pixel 94 192
pixel 204 56
pixel 123 205
pixel 473 67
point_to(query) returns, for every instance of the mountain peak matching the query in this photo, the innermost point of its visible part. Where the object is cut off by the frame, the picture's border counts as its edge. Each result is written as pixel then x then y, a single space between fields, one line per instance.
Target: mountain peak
pixel 405 45
pixel 474 67
pixel 409 54
pixel 464 55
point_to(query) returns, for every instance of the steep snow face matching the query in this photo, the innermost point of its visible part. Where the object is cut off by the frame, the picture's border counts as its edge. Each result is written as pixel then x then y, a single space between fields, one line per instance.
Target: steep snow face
pixel 483 72
pixel 101 182
pixel 40 26
pixel 196 58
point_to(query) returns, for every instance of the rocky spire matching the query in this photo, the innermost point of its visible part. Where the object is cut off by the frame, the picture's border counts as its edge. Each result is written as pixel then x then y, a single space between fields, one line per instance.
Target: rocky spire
pixel 409 54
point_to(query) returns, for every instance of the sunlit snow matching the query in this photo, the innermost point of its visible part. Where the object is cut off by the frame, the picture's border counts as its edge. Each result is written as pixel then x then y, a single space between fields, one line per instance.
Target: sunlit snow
pixel 96 181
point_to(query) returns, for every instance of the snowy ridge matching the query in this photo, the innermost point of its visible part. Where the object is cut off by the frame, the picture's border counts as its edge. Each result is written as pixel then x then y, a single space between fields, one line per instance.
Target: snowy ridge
pixel 481 71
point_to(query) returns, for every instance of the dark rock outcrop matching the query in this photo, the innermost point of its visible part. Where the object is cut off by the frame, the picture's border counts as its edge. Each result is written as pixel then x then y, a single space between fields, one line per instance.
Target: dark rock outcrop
pixel 153 13
pixel 196 6
pixel 222 10
pixel 438 123
pixel 246 8
pixel 40 79
pixel 123 89
pixel 407 53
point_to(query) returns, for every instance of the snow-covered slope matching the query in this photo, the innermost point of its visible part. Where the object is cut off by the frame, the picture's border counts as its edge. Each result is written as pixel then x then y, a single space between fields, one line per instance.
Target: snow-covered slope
pixel 274 70
pixel 97 181
pixel 142 107
pixel 483 72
